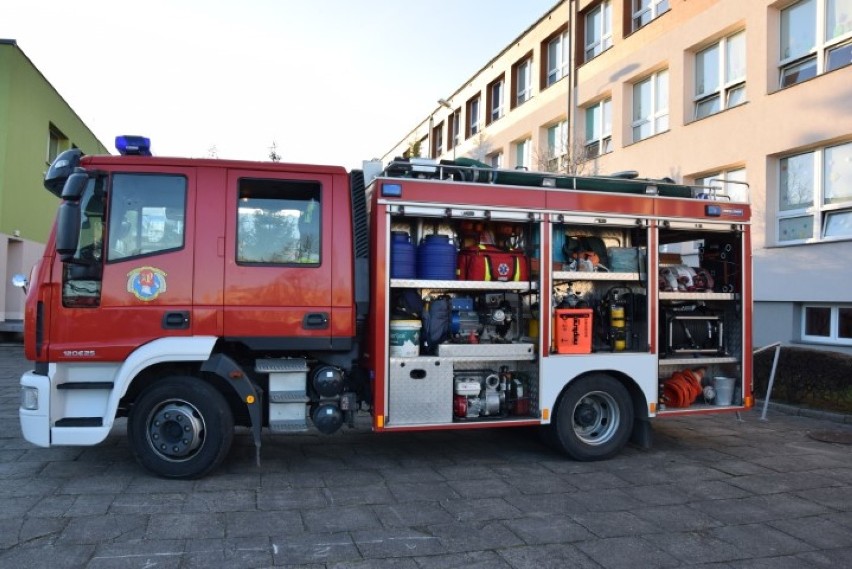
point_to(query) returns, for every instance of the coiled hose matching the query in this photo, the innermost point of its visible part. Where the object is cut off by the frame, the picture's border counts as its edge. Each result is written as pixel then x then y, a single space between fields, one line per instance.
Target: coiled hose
pixel 682 388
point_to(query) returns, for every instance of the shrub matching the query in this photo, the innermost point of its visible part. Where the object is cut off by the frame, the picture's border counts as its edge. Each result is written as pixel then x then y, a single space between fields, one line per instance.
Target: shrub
pixel 815 378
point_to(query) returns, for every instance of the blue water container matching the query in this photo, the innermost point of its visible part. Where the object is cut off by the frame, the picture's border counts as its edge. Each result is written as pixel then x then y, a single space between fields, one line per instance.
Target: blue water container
pixel 436 258
pixel 403 256
pixel 559 244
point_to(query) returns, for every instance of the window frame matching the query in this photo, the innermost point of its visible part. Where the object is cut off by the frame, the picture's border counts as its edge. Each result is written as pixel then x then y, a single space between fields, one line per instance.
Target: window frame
pixel 57 142
pixel 557 70
pixel 523 150
pixel 557 145
pixel 725 86
pixel 833 337
pixel 473 125
pixel 519 89
pixel 816 59
pixel 817 212
pixel 453 129
pixel 724 181
pixel 282 190
pixel 112 230
pixel 495 103
pixel 654 8
pixel 601 140
pixel 657 114
pixel 601 39
pixel 437 142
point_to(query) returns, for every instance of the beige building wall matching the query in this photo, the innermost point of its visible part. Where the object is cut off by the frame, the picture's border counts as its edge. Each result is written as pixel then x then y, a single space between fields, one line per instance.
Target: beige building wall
pixel 772 123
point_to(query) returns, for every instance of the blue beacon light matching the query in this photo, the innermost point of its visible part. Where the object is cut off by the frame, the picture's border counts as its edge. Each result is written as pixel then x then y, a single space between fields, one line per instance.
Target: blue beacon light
pixel 129 145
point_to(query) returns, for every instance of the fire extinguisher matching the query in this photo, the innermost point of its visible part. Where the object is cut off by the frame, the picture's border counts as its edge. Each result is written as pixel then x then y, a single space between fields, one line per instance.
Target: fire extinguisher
pixel 619 328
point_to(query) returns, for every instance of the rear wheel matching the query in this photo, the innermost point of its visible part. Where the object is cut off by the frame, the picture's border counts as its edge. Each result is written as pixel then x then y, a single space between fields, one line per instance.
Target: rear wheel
pixel 181 427
pixel 593 418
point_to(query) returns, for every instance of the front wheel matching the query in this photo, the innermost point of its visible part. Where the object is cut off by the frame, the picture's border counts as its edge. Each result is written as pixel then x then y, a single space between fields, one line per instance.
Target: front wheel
pixel 593 419
pixel 181 427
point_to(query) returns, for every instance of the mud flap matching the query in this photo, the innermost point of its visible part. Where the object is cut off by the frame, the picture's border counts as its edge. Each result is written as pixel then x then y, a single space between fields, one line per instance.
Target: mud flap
pixel 250 394
pixel 642 435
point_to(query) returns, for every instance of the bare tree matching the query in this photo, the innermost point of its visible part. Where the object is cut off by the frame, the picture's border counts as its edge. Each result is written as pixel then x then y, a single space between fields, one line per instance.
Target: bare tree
pixel 213 152
pixel 481 147
pixel 273 152
pixel 568 156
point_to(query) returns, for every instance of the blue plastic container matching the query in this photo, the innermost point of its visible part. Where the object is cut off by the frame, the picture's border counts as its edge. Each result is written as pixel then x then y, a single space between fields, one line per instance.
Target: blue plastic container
pixel 403 256
pixel 436 258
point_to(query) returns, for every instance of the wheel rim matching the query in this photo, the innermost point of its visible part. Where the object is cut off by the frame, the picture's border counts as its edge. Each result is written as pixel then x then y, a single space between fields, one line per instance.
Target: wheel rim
pixel 175 430
pixel 596 418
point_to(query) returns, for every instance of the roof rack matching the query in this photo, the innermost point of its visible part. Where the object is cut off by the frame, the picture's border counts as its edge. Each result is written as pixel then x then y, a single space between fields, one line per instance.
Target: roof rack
pixel 468 170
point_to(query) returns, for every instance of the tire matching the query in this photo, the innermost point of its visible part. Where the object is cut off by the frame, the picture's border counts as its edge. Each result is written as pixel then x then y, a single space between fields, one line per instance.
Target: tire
pixel 181 427
pixel 594 418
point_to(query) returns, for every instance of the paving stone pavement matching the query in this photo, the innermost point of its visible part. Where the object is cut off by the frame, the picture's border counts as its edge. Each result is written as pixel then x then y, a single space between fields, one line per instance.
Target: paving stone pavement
pixel 712 492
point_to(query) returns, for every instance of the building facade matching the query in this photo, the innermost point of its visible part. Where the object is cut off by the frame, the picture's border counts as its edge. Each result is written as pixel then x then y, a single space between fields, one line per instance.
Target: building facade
pixel 35 125
pixel 718 92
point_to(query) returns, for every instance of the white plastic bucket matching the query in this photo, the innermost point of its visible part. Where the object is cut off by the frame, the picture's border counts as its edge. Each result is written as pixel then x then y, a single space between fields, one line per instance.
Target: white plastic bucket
pixel 724 389
pixel 405 338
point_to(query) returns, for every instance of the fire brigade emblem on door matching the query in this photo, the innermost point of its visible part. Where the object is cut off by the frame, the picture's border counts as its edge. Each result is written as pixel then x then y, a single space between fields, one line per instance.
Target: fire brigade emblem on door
pixel 146 283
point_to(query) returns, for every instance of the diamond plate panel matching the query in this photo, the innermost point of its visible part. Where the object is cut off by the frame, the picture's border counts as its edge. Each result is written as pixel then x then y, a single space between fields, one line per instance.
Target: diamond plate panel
pixel 421 391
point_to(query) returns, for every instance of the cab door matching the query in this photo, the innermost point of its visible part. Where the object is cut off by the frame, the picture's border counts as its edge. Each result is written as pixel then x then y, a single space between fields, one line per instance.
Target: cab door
pixel 278 277
pixel 132 279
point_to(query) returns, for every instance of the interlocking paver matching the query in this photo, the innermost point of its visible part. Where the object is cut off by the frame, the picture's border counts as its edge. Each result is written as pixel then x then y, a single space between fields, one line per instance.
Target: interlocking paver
pixel 712 492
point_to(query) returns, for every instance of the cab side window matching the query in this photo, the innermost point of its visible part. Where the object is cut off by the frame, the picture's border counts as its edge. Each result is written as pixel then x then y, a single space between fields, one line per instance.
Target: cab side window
pixel 278 222
pixel 147 215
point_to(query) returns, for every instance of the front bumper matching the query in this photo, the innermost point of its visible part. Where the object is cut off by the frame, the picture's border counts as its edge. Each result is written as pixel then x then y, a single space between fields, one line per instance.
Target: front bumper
pixel 35 423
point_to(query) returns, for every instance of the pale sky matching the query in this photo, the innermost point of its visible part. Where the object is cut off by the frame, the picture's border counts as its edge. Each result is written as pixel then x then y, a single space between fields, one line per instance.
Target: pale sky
pixel 330 81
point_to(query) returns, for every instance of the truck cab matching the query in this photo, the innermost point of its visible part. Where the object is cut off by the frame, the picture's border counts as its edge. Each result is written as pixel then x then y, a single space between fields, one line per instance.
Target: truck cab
pixel 160 259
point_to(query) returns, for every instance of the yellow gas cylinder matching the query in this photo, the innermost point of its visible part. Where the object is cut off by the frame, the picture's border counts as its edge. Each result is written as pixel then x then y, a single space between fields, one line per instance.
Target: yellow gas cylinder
pixel 618 328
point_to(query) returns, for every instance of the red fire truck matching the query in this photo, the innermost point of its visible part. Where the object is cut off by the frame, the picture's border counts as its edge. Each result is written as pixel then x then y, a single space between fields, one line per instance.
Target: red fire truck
pixel 193 295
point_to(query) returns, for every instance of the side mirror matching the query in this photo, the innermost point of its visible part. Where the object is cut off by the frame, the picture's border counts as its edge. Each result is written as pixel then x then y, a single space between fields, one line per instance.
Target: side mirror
pixel 20 281
pixel 75 186
pixel 68 230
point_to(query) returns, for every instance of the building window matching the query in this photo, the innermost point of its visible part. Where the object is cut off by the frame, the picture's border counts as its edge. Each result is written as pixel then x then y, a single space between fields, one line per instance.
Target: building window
pixel 824 324
pixel 495 100
pixel 729 185
pixel 523 154
pixel 472 117
pixel 420 148
pixel 557 59
pixel 278 222
pixel 453 127
pixel 56 143
pixel 598 30
pixel 496 160
pixel 720 73
pixel 557 147
pixel 816 36
pixel 438 140
pixel 815 195
pixel 522 80
pixel 644 11
pixel 651 106
pixel 599 128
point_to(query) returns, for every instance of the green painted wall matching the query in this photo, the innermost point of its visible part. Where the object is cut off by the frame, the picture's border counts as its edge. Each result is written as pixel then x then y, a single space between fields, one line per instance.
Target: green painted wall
pixel 28 106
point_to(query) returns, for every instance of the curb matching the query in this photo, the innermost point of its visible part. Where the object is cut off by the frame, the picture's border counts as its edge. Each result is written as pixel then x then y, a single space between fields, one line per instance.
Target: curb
pixel 798 411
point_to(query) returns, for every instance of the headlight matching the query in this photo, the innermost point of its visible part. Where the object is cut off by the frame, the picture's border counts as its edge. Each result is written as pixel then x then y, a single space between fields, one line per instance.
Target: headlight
pixel 29 398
